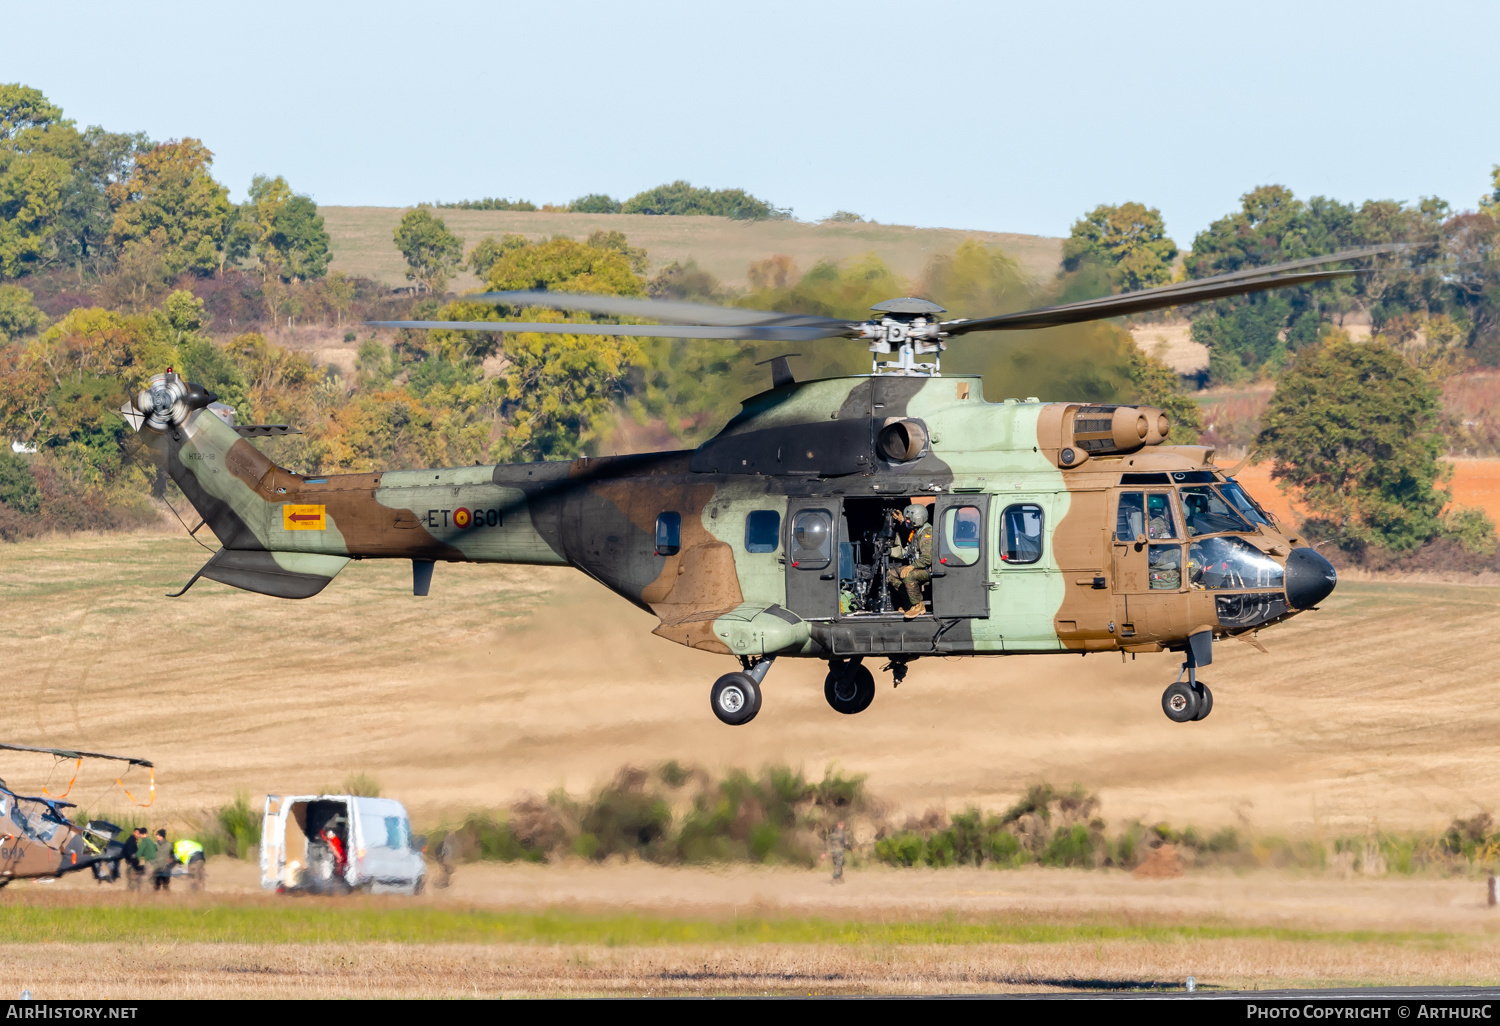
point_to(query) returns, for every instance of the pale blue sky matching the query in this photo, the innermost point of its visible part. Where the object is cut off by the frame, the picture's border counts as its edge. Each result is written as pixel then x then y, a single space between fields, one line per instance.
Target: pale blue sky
pixel 998 116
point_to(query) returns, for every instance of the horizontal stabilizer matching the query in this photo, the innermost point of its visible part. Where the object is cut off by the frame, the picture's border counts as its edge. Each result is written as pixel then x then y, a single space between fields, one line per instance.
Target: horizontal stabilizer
pixel 290 575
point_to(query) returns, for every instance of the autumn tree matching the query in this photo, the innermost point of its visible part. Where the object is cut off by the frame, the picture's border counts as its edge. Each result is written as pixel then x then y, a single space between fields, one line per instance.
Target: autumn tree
pixel 171 204
pixel 284 231
pixel 1129 240
pixel 23 108
pixel 432 252
pixel 1490 202
pixel 489 251
pixel 1358 431
pixel 18 313
pixel 566 265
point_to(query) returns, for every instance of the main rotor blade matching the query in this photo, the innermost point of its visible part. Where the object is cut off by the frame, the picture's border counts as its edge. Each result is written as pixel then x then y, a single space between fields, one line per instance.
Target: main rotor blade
pixel 69 753
pixel 748 332
pixel 668 310
pixel 1135 302
pixel 1235 283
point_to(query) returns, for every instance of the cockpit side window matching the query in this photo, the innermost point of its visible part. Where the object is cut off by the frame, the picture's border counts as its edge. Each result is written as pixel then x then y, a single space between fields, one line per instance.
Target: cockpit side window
pixel 1208 513
pixel 1160 521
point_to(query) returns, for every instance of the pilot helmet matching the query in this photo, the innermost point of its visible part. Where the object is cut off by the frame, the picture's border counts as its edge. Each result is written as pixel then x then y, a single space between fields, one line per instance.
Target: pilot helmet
pixel 916 514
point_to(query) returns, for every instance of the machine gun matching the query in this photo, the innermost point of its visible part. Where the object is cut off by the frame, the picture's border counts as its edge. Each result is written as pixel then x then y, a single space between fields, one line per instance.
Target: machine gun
pixel 885 540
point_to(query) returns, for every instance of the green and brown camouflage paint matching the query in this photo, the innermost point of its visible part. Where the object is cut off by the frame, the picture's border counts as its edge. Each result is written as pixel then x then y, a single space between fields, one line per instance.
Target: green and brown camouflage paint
pixel 802 443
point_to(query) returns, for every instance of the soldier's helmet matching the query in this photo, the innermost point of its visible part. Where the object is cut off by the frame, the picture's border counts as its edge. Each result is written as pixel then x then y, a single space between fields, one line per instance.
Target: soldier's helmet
pixel 916 514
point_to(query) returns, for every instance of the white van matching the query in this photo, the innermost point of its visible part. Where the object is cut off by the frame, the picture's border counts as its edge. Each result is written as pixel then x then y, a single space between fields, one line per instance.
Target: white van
pixel 336 843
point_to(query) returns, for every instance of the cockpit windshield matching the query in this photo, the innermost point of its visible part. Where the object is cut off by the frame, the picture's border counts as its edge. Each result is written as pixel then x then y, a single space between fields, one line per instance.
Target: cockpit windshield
pixel 1207 512
pixel 1241 501
pixel 34 819
pixel 1217 563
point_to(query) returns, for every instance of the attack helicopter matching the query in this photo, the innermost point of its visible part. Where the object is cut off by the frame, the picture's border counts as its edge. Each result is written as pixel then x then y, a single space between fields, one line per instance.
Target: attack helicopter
pixel 37 839
pixel 1056 527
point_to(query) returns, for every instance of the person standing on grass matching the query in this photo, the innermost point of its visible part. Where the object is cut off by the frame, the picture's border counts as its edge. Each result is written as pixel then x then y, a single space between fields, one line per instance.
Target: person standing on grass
pixel 132 853
pixel 161 863
pixel 837 842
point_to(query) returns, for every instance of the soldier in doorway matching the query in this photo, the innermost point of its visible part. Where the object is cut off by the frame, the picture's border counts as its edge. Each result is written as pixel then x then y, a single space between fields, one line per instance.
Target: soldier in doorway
pixel 916 570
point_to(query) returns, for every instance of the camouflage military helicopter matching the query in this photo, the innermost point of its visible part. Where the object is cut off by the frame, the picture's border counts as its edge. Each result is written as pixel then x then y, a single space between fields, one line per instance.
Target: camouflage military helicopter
pixel 37 839
pixel 1064 527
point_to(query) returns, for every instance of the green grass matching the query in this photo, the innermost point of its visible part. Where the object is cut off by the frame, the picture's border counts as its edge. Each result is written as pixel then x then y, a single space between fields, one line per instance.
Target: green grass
pixel 320 922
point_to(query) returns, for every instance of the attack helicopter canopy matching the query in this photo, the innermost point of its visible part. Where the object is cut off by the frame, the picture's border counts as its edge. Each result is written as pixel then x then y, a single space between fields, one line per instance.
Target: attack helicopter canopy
pixel 907 327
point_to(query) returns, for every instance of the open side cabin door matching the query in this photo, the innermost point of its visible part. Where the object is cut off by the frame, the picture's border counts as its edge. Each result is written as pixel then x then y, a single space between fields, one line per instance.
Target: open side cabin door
pixel 272 842
pixel 960 562
pixel 812 572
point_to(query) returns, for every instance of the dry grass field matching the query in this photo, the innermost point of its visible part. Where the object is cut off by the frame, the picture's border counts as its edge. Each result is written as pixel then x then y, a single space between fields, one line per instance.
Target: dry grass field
pixel 1377 708
pixel 1376 711
pixel 361 240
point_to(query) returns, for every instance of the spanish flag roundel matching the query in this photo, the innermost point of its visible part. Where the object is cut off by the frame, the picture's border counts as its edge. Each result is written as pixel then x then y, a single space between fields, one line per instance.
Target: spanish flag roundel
pixel 462 517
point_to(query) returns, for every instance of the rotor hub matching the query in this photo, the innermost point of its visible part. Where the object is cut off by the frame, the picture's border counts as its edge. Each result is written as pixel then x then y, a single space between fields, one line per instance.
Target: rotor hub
pixel 910 329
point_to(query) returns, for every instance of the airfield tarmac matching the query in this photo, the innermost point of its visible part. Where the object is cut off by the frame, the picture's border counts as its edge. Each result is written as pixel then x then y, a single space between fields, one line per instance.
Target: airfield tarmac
pixel 1375 711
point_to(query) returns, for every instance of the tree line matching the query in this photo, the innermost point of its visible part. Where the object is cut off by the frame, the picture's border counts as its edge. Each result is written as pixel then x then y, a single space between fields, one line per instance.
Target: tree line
pixel 679 198
pixel 1357 428
pixel 119 257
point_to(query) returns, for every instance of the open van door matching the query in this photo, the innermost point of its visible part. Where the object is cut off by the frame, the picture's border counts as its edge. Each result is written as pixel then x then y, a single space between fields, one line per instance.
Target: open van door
pixel 272 843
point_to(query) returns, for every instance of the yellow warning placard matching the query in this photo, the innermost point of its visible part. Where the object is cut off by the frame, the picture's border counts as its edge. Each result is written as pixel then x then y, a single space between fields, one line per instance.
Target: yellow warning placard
pixel 303 518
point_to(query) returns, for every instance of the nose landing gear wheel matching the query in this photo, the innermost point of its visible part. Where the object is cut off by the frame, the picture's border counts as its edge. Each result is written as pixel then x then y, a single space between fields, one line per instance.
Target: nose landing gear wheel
pixel 1180 702
pixel 849 688
pixel 735 698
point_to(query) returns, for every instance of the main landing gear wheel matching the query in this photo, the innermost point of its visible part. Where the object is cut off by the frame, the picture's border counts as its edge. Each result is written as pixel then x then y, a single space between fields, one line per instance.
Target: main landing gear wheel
pixel 849 687
pixel 1205 701
pixel 1184 702
pixel 735 698
pixel 1180 702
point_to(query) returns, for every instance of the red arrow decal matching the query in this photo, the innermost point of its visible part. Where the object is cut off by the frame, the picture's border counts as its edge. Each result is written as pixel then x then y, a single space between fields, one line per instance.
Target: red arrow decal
pixel 304 516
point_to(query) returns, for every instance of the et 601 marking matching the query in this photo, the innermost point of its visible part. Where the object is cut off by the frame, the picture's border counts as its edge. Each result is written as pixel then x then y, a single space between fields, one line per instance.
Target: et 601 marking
pixel 464 517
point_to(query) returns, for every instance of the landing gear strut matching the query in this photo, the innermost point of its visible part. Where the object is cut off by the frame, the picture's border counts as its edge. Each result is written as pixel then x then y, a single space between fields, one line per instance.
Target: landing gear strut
pixel 735 697
pixel 849 686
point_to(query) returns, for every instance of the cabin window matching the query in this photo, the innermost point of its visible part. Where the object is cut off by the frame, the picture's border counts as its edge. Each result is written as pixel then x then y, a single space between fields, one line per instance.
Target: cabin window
pixel 1021 537
pixel 1164 568
pixel 668 534
pixel 812 539
pixel 962 527
pixel 762 530
pixel 1130 518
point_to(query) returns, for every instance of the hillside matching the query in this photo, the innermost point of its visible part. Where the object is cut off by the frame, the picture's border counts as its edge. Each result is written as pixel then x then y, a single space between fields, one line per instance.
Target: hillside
pixel 362 244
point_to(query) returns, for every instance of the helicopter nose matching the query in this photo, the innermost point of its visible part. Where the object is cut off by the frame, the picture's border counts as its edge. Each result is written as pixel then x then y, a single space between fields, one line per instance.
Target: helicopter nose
pixel 1309 578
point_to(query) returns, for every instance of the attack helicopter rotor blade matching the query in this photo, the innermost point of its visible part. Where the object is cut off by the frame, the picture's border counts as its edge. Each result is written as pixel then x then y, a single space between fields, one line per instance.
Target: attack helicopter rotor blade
pixel 1236 283
pixel 748 332
pixel 669 310
pixel 70 753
